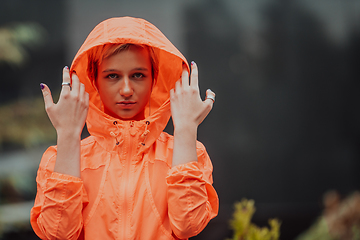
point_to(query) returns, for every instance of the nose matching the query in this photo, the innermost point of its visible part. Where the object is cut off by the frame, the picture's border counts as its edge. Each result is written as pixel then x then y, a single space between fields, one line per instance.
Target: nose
pixel 126 89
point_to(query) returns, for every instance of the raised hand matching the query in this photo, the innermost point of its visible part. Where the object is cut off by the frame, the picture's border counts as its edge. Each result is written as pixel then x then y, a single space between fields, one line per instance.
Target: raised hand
pixel 188 111
pixel 68 115
pixel 187 107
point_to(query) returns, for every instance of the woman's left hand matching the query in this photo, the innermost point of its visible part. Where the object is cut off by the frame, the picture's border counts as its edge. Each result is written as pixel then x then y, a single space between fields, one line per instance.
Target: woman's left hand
pixel 187 107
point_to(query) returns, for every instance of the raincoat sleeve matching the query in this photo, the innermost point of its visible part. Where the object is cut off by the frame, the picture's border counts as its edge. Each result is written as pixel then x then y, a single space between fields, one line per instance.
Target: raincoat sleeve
pixel 192 200
pixel 60 199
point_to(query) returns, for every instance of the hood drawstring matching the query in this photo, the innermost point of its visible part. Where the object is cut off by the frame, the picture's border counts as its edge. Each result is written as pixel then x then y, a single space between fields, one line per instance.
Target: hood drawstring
pixel 145 133
pixel 115 135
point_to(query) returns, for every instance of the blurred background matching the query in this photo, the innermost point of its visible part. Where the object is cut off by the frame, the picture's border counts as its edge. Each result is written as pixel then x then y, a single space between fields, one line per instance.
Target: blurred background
pixel 285 128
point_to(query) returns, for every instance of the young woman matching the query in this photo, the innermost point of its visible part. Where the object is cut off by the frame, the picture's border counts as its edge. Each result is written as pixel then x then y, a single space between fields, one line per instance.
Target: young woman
pixel 129 179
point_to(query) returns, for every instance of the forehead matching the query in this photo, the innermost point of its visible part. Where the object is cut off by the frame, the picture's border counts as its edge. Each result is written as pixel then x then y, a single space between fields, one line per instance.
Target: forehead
pixel 129 57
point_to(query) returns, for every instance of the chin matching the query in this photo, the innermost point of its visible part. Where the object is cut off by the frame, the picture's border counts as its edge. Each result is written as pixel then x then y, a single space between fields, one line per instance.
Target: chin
pixel 127 117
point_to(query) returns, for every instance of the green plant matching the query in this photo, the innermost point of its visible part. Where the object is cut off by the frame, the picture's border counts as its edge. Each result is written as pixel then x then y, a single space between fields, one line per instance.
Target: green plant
pixel 245 230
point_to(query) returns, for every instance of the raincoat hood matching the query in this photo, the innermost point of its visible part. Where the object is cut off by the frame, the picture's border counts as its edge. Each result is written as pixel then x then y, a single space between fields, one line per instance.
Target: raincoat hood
pixel 136 31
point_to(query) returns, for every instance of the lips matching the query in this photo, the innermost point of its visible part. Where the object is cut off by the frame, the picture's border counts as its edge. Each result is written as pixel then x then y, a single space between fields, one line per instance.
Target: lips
pixel 126 104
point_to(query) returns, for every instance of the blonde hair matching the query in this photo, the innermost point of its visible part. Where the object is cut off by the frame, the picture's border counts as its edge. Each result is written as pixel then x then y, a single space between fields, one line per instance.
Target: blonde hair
pixel 98 54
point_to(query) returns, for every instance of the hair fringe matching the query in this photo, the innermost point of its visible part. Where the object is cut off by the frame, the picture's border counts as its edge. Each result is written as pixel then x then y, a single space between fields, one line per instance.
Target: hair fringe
pixel 108 50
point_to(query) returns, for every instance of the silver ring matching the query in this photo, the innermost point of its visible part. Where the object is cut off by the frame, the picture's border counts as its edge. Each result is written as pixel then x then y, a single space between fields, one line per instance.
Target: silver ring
pixel 210 97
pixel 66 83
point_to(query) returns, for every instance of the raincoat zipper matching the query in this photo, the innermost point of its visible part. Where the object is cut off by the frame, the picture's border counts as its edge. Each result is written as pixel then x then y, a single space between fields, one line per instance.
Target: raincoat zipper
pixel 125 183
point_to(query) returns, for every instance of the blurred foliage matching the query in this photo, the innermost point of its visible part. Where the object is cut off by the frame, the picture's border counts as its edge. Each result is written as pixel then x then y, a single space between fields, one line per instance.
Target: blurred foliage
pixel 24 123
pixel 15 38
pixel 339 221
pixel 245 230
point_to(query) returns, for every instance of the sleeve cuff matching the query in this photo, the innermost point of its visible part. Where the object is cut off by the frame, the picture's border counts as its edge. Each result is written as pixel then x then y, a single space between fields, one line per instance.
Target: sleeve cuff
pixel 60 176
pixel 191 166
pixel 184 172
pixel 60 187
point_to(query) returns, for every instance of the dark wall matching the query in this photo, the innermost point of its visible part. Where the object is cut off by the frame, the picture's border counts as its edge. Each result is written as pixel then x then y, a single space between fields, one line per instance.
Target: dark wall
pixel 45 57
pixel 285 125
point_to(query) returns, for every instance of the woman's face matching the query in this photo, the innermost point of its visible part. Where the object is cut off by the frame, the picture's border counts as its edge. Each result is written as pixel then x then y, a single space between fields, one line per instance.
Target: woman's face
pixel 124 82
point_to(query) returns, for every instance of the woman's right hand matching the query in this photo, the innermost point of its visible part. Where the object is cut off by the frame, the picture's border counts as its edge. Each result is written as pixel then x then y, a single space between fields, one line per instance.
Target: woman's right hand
pixel 68 115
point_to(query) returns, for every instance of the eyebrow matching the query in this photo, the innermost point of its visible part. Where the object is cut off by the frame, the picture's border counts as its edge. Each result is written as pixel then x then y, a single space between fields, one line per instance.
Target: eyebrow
pixel 135 69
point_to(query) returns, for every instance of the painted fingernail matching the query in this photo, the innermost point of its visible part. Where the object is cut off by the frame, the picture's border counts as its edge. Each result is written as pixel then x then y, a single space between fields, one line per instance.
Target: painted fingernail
pixel 66 67
pixel 192 63
pixel 42 86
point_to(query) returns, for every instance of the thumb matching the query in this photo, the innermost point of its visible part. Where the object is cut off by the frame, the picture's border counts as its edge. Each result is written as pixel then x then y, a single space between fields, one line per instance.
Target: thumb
pixel 209 102
pixel 210 97
pixel 47 95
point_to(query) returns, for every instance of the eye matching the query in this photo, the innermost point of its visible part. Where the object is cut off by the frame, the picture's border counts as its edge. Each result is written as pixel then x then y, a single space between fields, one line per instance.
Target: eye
pixel 138 75
pixel 112 76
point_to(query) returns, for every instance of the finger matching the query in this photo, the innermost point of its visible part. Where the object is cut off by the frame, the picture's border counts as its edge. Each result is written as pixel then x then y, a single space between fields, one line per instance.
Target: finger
pixel 48 100
pixel 185 78
pixel 194 82
pixel 210 97
pixel 177 86
pixel 87 99
pixel 66 79
pixel 75 87
pixel 82 91
pixel 172 92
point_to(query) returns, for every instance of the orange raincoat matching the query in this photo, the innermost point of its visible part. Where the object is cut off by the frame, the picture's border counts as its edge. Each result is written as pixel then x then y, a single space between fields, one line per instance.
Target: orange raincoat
pixel 127 189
